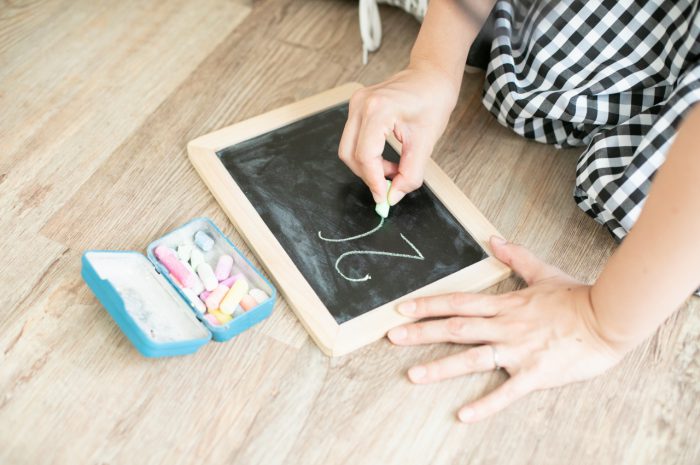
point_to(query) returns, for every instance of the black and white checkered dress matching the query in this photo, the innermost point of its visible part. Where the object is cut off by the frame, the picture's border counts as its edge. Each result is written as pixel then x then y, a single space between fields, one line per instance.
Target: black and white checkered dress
pixel 615 76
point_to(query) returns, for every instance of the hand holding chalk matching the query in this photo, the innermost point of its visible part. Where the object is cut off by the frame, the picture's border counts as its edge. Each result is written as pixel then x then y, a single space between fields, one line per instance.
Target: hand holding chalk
pixel 415 105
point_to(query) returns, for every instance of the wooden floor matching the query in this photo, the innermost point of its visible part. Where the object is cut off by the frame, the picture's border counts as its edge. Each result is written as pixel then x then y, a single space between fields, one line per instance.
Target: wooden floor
pixel 97 102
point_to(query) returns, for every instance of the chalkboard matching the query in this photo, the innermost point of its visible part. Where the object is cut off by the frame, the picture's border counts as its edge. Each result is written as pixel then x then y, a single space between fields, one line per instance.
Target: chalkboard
pixel 310 201
pixel 312 225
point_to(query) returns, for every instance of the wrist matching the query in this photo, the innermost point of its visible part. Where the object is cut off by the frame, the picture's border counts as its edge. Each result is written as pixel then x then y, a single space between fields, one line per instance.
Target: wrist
pixel 615 333
pixel 447 79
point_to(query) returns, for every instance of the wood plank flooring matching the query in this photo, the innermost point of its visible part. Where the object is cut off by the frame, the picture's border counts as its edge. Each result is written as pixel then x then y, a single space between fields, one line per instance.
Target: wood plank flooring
pixel 98 100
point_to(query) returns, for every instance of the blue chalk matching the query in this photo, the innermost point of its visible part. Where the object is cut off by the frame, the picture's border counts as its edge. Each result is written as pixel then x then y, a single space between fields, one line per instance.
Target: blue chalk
pixel 203 240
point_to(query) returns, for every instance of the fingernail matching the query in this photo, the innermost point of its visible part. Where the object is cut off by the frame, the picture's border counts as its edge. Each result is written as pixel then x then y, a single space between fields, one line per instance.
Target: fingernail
pixel 465 415
pixel 417 373
pixel 498 240
pixel 397 334
pixel 395 196
pixel 407 308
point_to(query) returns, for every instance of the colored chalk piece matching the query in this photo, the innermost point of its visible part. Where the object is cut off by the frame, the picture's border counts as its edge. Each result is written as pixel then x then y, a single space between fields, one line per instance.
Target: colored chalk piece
pixel 212 319
pixel 194 300
pixel 382 209
pixel 232 279
pixel 169 260
pixel 203 240
pixel 222 318
pixel 184 251
pixel 207 276
pixel 215 297
pixel 234 296
pixel 223 267
pixel 248 303
pixel 259 295
pixel 196 257
pixel 198 286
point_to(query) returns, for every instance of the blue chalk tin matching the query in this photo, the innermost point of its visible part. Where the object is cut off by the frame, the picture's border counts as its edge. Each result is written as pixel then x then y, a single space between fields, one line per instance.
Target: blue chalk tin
pixel 151 310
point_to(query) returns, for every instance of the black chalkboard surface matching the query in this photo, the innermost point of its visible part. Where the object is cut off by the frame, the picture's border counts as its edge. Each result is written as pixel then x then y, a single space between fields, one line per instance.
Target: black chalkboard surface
pixel 310 201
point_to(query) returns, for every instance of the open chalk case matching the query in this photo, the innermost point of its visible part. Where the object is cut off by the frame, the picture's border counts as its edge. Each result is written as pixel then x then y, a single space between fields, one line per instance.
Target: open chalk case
pixel 152 310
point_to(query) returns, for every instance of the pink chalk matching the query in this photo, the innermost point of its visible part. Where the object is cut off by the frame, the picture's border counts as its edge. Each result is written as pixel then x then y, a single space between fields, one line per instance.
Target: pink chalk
pixel 168 258
pixel 228 282
pixel 216 296
pixel 223 267
pixel 212 319
pixel 232 279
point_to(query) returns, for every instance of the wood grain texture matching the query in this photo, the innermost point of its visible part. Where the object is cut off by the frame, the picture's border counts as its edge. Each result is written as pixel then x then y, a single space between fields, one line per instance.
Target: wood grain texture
pixel 99 100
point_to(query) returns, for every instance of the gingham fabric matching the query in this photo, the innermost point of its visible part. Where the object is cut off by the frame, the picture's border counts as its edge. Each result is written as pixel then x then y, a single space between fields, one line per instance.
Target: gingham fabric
pixel 616 76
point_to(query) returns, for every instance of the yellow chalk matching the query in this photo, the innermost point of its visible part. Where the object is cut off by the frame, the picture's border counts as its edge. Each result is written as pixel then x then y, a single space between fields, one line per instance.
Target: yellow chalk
pixel 238 290
pixel 221 317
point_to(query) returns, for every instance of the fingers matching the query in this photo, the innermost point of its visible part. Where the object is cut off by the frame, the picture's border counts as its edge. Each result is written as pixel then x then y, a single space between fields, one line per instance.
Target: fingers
pixel 390 169
pixel 475 360
pixel 457 303
pixel 348 141
pixel 498 399
pixel 362 143
pixel 455 329
pixel 371 118
pixel 368 154
pixel 522 261
pixel 411 168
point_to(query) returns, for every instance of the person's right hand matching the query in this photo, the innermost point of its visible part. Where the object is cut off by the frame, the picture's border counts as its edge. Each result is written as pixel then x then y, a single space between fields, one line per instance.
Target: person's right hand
pixel 415 104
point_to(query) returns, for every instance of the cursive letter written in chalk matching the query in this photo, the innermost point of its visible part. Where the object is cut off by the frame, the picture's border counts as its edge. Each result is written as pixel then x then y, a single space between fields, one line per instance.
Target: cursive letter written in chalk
pixel 417 256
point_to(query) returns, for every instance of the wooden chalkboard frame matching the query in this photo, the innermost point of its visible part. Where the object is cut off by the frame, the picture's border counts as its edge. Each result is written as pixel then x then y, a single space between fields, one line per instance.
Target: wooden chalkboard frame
pixel 332 338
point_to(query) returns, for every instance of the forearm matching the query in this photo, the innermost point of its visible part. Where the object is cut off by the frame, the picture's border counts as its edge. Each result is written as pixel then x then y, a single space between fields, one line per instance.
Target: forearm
pixel 449 29
pixel 658 264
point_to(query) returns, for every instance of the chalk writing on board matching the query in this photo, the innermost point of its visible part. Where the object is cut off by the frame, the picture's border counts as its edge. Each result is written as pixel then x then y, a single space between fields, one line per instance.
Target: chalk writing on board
pixel 359 236
pixel 417 256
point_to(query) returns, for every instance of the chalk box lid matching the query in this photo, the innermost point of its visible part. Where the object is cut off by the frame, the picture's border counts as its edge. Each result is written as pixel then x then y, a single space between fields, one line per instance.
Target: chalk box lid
pixel 149 307
pixel 148 310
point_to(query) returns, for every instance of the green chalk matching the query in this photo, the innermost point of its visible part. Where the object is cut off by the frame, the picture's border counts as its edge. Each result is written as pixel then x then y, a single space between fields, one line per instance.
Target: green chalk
pixel 382 209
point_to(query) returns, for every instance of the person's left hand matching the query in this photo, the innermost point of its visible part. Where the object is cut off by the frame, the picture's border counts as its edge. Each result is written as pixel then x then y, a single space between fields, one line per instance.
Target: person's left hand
pixel 545 335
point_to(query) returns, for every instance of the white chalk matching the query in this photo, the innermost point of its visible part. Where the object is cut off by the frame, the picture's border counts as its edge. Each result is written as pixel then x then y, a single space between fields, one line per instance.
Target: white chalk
pixel 238 312
pixel 194 300
pixel 196 258
pixel 259 295
pixel 207 276
pixel 184 251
